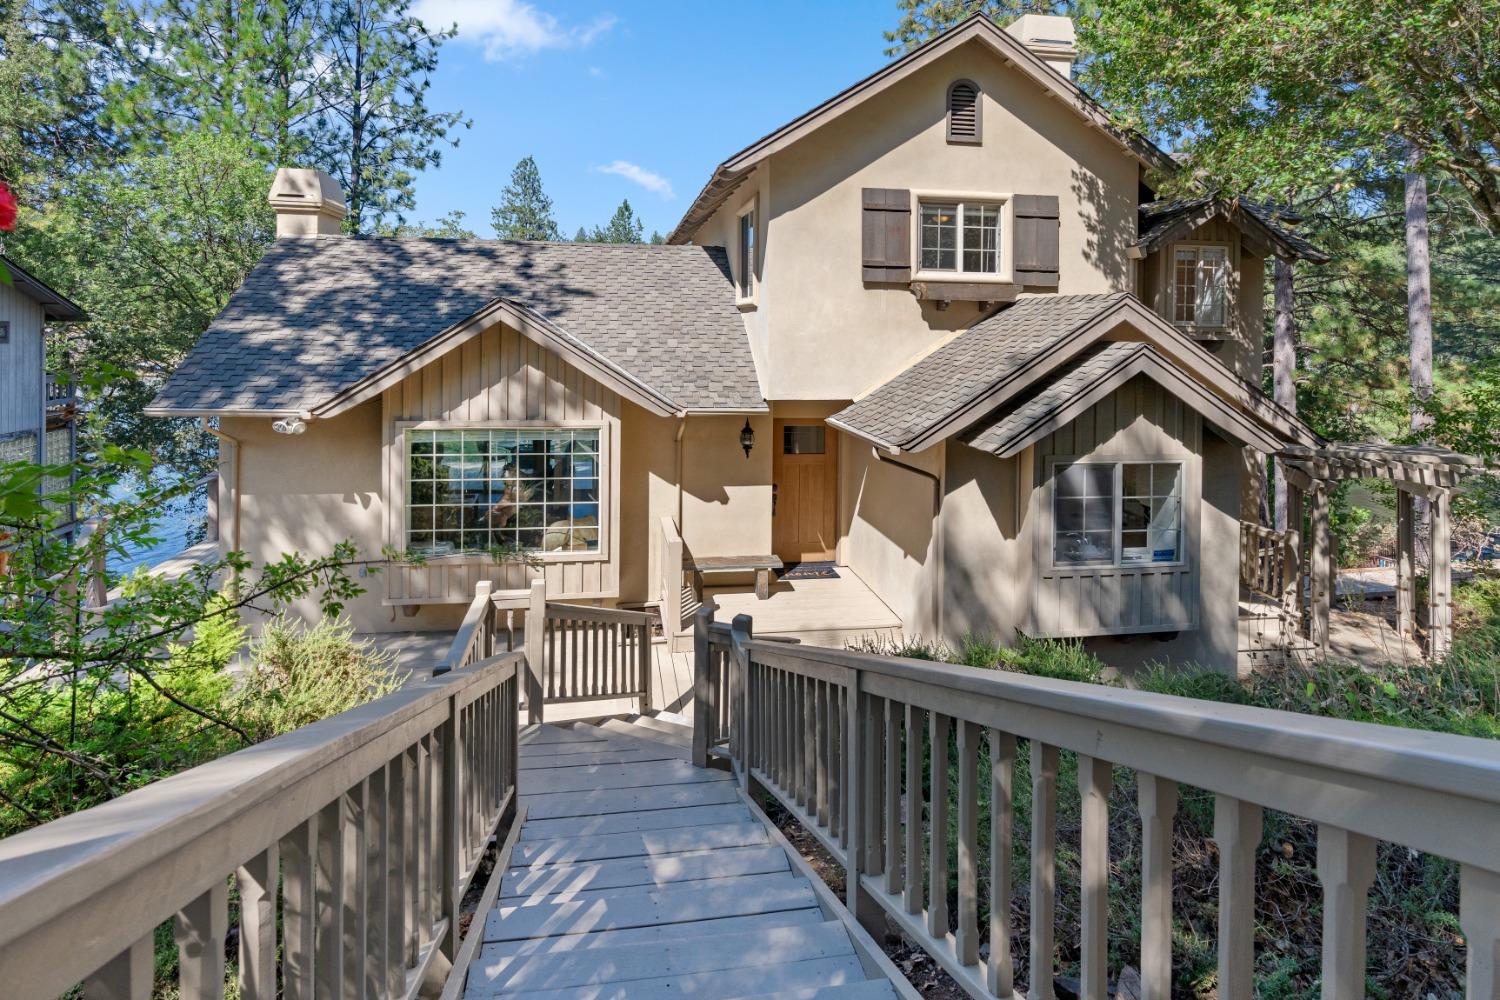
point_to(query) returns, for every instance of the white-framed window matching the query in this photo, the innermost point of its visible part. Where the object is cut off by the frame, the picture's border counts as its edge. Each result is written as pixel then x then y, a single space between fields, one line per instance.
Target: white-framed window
pixel 1117 513
pixel 1200 286
pixel 962 237
pixel 477 489
pixel 745 245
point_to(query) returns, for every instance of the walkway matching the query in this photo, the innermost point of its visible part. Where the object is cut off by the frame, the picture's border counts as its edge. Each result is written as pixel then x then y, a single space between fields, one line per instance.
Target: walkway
pixel 639 875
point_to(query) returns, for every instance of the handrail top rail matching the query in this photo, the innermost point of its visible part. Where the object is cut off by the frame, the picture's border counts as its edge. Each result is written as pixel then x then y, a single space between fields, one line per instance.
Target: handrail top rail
pixel 1464 766
pixel 54 867
pixel 585 612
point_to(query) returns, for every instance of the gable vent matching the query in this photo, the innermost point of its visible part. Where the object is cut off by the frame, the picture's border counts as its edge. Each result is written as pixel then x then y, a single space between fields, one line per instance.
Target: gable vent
pixel 963 112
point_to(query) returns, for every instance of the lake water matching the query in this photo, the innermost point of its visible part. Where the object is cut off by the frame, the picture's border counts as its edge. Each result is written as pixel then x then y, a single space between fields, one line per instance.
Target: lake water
pixel 174 531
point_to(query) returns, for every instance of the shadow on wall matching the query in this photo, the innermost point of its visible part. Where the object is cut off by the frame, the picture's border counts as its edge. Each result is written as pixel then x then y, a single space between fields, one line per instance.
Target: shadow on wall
pixel 1108 220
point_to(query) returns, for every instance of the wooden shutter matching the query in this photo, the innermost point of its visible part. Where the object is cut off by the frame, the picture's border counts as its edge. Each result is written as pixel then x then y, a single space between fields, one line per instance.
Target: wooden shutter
pixel 886 235
pixel 963 112
pixel 1036 218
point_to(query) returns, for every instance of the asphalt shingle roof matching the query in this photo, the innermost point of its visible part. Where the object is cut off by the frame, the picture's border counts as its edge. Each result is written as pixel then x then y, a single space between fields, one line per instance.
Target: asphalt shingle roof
pixel 997 435
pixel 969 366
pixel 318 314
pixel 1158 217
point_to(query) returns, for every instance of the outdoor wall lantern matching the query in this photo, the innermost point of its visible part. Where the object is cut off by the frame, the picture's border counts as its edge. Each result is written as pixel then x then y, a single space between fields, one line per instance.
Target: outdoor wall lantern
pixel 747 437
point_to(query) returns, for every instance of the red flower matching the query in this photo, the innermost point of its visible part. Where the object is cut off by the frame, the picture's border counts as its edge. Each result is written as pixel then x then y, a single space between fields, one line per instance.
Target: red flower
pixel 7 209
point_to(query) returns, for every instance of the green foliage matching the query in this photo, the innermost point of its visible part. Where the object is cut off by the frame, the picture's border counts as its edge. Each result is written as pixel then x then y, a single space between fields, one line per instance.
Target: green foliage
pixel 623 227
pixel 302 673
pixel 447 227
pixel 525 211
pixel 922 19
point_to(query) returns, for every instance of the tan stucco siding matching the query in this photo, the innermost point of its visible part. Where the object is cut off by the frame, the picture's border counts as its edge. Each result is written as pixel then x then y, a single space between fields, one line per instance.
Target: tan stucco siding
pixel 891 531
pixel 830 335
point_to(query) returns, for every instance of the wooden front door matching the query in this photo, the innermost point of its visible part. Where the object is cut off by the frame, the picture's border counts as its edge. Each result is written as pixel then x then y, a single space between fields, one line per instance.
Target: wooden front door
pixel 805 476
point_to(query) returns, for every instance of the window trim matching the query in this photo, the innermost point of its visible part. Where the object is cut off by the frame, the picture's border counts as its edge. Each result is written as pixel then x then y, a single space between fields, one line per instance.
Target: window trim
pixel 1006 203
pixel 1231 264
pixel 747 280
pixel 1057 462
pixel 603 553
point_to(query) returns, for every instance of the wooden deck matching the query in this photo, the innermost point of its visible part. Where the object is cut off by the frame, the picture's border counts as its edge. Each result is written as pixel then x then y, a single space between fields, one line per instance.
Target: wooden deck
pixel 820 612
pixel 638 875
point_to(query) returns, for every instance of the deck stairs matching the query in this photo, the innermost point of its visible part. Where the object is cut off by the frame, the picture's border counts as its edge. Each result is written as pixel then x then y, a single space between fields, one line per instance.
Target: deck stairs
pixel 637 875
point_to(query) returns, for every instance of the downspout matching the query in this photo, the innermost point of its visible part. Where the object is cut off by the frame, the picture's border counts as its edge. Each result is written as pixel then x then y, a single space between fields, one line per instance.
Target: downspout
pixel 234 490
pixel 681 430
pixel 937 530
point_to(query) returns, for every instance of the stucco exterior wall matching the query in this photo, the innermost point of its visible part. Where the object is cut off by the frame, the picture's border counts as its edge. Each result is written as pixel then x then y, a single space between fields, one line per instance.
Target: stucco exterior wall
pixel 889 518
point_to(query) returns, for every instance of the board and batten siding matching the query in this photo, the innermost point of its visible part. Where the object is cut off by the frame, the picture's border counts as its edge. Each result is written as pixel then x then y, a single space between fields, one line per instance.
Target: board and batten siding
pixel 501 377
pixel 21 366
pixel 1138 422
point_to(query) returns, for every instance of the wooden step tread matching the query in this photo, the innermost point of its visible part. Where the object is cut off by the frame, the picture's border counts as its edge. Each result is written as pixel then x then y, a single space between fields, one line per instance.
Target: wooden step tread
pixel 754 881
pixel 638 731
pixel 610 776
pixel 628 845
pixel 544 734
pixel 558 882
pixel 550 804
pixel 639 741
pixel 710 985
pixel 660 906
pixel 870 989
pixel 633 822
pixel 631 755
pixel 574 943
pixel 675 730
pixel 624 963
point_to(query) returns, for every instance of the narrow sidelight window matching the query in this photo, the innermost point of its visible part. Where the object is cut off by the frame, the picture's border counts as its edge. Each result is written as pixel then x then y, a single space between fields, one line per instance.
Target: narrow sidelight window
pixel 747 254
pixel 1200 287
pixel 1117 513
pixel 962 237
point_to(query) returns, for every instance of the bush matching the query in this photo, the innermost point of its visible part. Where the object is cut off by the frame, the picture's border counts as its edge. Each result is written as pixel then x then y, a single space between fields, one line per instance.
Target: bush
pixel 302 673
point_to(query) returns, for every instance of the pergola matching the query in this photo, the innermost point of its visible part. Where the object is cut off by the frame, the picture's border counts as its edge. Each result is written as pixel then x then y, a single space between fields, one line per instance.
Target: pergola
pixel 1417 471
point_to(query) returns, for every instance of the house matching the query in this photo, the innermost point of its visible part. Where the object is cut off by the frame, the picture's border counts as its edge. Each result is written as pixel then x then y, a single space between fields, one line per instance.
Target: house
pixel 937 332
pixel 37 407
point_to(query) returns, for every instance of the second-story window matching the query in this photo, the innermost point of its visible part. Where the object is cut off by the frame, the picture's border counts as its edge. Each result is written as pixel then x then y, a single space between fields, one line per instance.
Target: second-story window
pixel 963 237
pixel 1200 286
pixel 747 254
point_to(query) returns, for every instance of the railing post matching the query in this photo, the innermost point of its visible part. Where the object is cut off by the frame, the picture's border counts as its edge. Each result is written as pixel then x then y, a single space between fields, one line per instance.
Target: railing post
pixel 1479 916
pixel 485 641
pixel 741 630
pixel 536 626
pixel 705 710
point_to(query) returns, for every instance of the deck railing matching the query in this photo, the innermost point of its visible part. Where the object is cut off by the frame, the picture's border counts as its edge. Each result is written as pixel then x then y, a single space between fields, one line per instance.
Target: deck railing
pixel 353 840
pixel 1271 565
pixel 842 739
pixel 59 389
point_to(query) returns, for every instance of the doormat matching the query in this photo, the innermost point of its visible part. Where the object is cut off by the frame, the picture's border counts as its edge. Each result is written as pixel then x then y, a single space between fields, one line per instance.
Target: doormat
pixel 809 571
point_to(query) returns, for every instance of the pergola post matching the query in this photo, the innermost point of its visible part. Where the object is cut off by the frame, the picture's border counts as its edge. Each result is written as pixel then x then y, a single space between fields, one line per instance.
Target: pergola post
pixel 1320 560
pixel 1440 577
pixel 1294 510
pixel 1284 376
pixel 1406 563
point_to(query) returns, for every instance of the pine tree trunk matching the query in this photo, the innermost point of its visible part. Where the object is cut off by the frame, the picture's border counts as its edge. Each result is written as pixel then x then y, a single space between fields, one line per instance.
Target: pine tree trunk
pixel 1284 369
pixel 1418 313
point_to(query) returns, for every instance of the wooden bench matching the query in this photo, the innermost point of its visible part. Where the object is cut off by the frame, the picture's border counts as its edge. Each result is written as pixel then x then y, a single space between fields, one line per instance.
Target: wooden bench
pixel 762 565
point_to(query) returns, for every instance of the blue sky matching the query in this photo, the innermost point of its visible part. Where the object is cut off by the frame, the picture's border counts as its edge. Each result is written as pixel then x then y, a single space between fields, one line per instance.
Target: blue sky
pixel 633 100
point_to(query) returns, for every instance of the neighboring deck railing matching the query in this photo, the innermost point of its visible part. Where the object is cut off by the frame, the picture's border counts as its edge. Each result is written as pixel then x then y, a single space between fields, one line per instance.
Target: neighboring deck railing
pixel 839 738
pixel 352 840
pixel 1271 565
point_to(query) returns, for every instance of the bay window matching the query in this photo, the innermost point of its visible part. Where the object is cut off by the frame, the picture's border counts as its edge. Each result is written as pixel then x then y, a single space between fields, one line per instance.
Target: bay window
pixel 476 489
pixel 961 237
pixel 1117 513
pixel 1200 286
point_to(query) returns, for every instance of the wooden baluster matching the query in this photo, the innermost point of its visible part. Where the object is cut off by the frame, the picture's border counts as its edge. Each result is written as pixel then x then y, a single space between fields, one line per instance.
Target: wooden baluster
pixel 807 699
pixel 854 803
pixel 914 896
pixel 449 823
pixel 1479 917
pixel 422 841
pixel 836 763
pixel 377 884
pixel 399 869
pixel 1001 971
pixel 1043 867
pixel 257 879
pixel 892 797
pixel 968 843
pixel 872 733
pixel 328 961
pixel 355 885
pixel 1346 867
pixel 299 917
pixel 820 751
pixel 1094 780
pixel 937 808
pixel 1237 830
pixel 200 929
pixel 1157 800
pixel 129 975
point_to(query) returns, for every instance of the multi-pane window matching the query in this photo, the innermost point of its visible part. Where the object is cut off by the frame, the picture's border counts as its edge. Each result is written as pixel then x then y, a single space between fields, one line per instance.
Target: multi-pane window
pixel 1117 513
pixel 747 254
pixel 962 237
pixel 1200 286
pixel 477 489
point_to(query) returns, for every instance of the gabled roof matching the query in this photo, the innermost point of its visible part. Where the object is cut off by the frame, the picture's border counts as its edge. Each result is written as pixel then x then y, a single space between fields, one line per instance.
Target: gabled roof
pixel 55 305
pixel 729 174
pixel 1163 221
pixel 1011 355
pixel 320 320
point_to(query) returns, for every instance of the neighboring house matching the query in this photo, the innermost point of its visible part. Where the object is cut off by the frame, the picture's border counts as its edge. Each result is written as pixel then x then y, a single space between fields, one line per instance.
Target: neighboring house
pixel 937 330
pixel 37 407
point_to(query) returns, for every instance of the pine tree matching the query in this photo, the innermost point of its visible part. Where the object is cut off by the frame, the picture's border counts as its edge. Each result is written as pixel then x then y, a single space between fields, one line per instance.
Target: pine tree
pixel 525 211
pixel 623 227
pixel 377 131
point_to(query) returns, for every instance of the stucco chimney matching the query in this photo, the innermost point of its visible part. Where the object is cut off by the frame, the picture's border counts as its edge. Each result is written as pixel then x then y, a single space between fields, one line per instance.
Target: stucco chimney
pixel 1049 36
pixel 307 203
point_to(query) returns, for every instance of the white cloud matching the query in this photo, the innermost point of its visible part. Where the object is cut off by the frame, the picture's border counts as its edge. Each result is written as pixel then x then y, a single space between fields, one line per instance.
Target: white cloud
pixel 510 28
pixel 647 179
